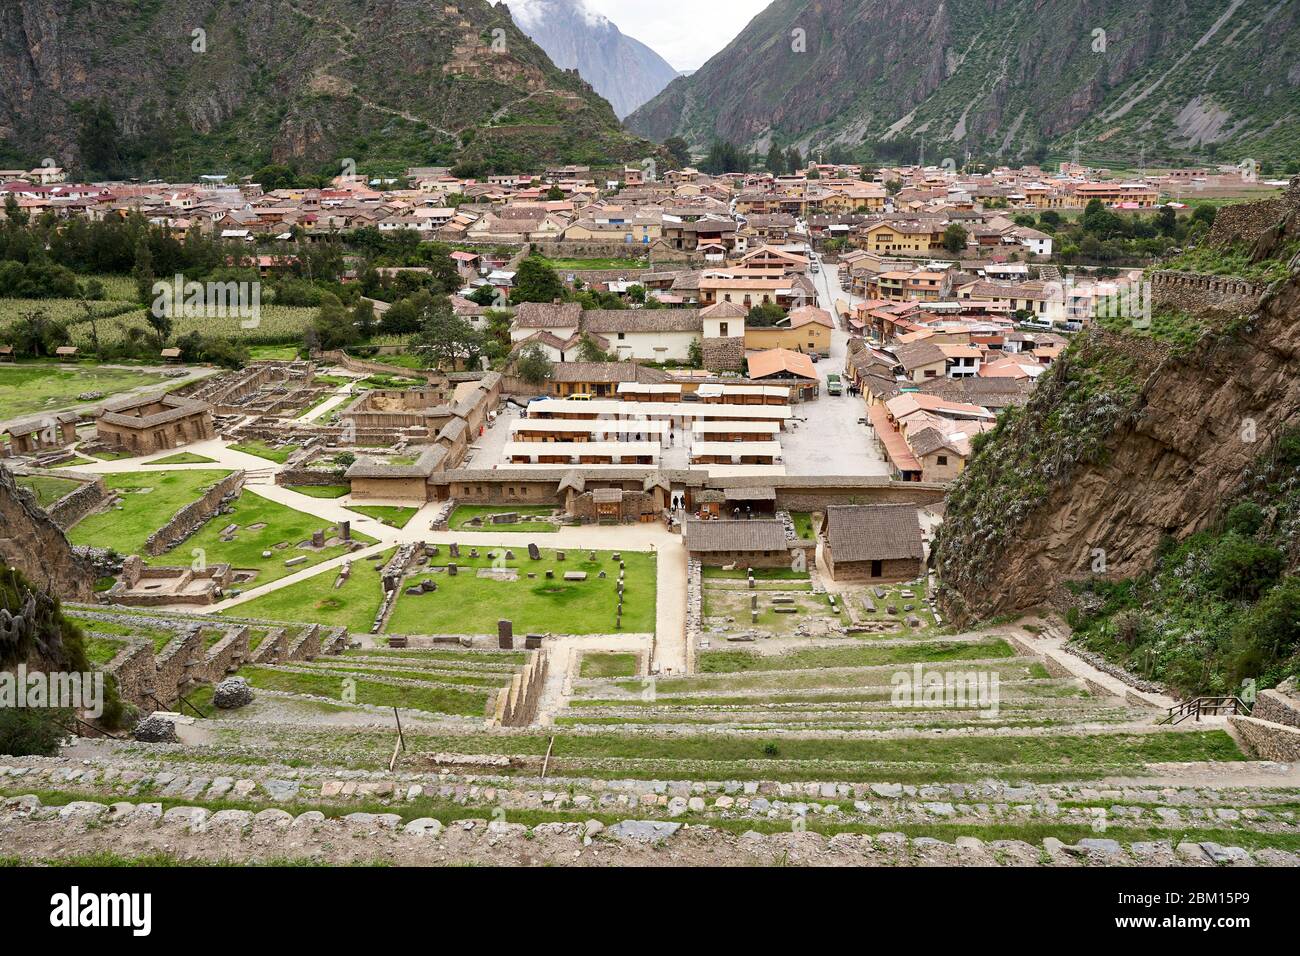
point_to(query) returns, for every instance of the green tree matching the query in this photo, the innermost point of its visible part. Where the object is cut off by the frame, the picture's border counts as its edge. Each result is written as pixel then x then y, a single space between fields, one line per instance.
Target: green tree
pixel 678 151
pixel 954 238
pixel 444 338
pixel 532 365
pixel 332 328
pixel 536 281
pixel 776 161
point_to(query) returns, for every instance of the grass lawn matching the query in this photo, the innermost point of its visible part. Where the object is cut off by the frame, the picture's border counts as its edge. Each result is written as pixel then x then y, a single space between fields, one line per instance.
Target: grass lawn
pixel 261 449
pixel 273 353
pixel 183 458
pixel 282 524
pixel 461 516
pixel 111 455
pixel 148 500
pixel 760 574
pixel 102 650
pixel 317 601
pixel 159 637
pixel 48 489
pixel 395 516
pixel 438 700
pixel 468 604
pixel 715 662
pixel 30 387
pixel 608 664
pixel 803 525
pixel 320 491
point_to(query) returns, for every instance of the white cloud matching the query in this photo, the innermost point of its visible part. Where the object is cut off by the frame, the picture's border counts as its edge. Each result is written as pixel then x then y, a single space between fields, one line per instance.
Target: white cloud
pixel 683 32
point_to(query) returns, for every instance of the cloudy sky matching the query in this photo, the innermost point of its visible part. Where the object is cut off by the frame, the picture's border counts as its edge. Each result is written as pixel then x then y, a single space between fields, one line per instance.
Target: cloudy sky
pixel 683 32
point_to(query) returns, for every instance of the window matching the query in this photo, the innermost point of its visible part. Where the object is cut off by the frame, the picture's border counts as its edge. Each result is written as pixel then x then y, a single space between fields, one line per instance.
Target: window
pixel 722 329
pixel 943 459
pixel 622 336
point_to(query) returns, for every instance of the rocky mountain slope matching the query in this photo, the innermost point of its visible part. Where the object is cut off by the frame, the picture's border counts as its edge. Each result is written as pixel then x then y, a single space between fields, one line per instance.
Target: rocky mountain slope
pixel 196 86
pixel 1130 445
pixel 1128 82
pixel 34 545
pixel 623 70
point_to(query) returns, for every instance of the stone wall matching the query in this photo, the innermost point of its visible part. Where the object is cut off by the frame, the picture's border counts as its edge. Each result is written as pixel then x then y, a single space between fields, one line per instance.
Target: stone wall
pixel 31 542
pixel 309 476
pixel 635 504
pixel 225 656
pixel 515 705
pixel 136 672
pixel 367 367
pixel 194 515
pixel 1277 708
pixel 1268 740
pixel 588 249
pixel 76 504
pixel 1247 222
pixel 178 667
pixel 724 355
pixel 1201 293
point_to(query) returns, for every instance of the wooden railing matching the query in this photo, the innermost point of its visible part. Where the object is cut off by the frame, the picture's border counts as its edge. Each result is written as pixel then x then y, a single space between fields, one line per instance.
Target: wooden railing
pixel 1208 707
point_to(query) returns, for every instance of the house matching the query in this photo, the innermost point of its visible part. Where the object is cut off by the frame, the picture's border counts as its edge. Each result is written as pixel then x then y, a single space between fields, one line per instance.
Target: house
pixel 150 423
pixel 881 543
pixel 806 329
pixel 54 431
pixel 921 360
pixel 786 367
pixel 755 543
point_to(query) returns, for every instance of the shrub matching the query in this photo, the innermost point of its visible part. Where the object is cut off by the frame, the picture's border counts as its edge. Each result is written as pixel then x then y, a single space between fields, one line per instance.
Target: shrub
pixel 1245 518
pixel 1242 567
pixel 32 731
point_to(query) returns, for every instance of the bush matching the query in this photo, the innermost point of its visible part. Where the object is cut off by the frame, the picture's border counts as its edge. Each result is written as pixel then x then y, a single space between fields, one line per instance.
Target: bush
pixel 32 731
pixel 1243 568
pixel 1245 518
pixel 1266 640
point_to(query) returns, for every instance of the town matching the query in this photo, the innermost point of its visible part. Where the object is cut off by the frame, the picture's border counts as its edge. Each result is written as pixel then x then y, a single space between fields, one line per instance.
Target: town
pixel 726 507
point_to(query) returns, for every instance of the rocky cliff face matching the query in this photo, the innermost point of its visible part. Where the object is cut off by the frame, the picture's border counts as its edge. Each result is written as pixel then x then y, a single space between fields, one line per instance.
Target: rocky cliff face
pixel 32 543
pixel 1124 445
pixel 194 86
pixel 1137 80
pixel 623 70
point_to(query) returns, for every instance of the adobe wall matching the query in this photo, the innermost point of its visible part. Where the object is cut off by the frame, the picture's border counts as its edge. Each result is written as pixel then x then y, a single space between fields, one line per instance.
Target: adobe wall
pixel 891 571
pixel 194 515
pixel 405 489
pixel 817 498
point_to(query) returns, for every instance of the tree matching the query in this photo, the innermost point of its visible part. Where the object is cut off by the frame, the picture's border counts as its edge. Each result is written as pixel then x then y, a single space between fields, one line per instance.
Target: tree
pixel 555 194
pixel 589 351
pixel 794 160
pixel 532 365
pixel 776 162
pixel 332 328
pixel 893 186
pixel 444 337
pixel 363 317
pixel 765 315
pixel 536 281
pixel 143 271
pixel 678 151
pixel 724 157
pixel 954 238
pixel 98 142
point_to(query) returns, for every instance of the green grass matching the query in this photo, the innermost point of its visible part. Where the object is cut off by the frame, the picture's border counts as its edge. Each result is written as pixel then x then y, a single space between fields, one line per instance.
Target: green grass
pixel 283 524
pixel 467 604
pixel 159 637
pixel 438 700
pixel 261 449
pixel 316 600
pixel 395 516
pixel 608 664
pixel 29 388
pixel 461 516
pixel 149 499
pixel 760 574
pixel 273 353
pixel 320 491
pixel 803 525
pixel 183 458
pixel 47 488
pixel 719 662
pixel 102 650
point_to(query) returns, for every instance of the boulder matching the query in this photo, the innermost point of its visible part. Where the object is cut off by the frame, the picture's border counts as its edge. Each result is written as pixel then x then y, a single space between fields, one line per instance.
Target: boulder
pixel 156 729
pixel 231 693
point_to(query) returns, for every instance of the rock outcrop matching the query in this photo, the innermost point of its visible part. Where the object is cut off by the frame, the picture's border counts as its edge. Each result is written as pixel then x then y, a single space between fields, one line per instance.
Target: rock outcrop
pixel 32 543
pixel 1125 444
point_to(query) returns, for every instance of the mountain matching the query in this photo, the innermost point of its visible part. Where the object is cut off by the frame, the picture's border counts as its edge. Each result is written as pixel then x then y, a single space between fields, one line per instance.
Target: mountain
pixel 185 87
pixel 1130 81
pixel 623 70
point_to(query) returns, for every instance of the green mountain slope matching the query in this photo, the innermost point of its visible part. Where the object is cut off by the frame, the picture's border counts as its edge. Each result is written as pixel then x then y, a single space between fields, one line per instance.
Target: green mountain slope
pixel 184 87
pixel 1120 81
